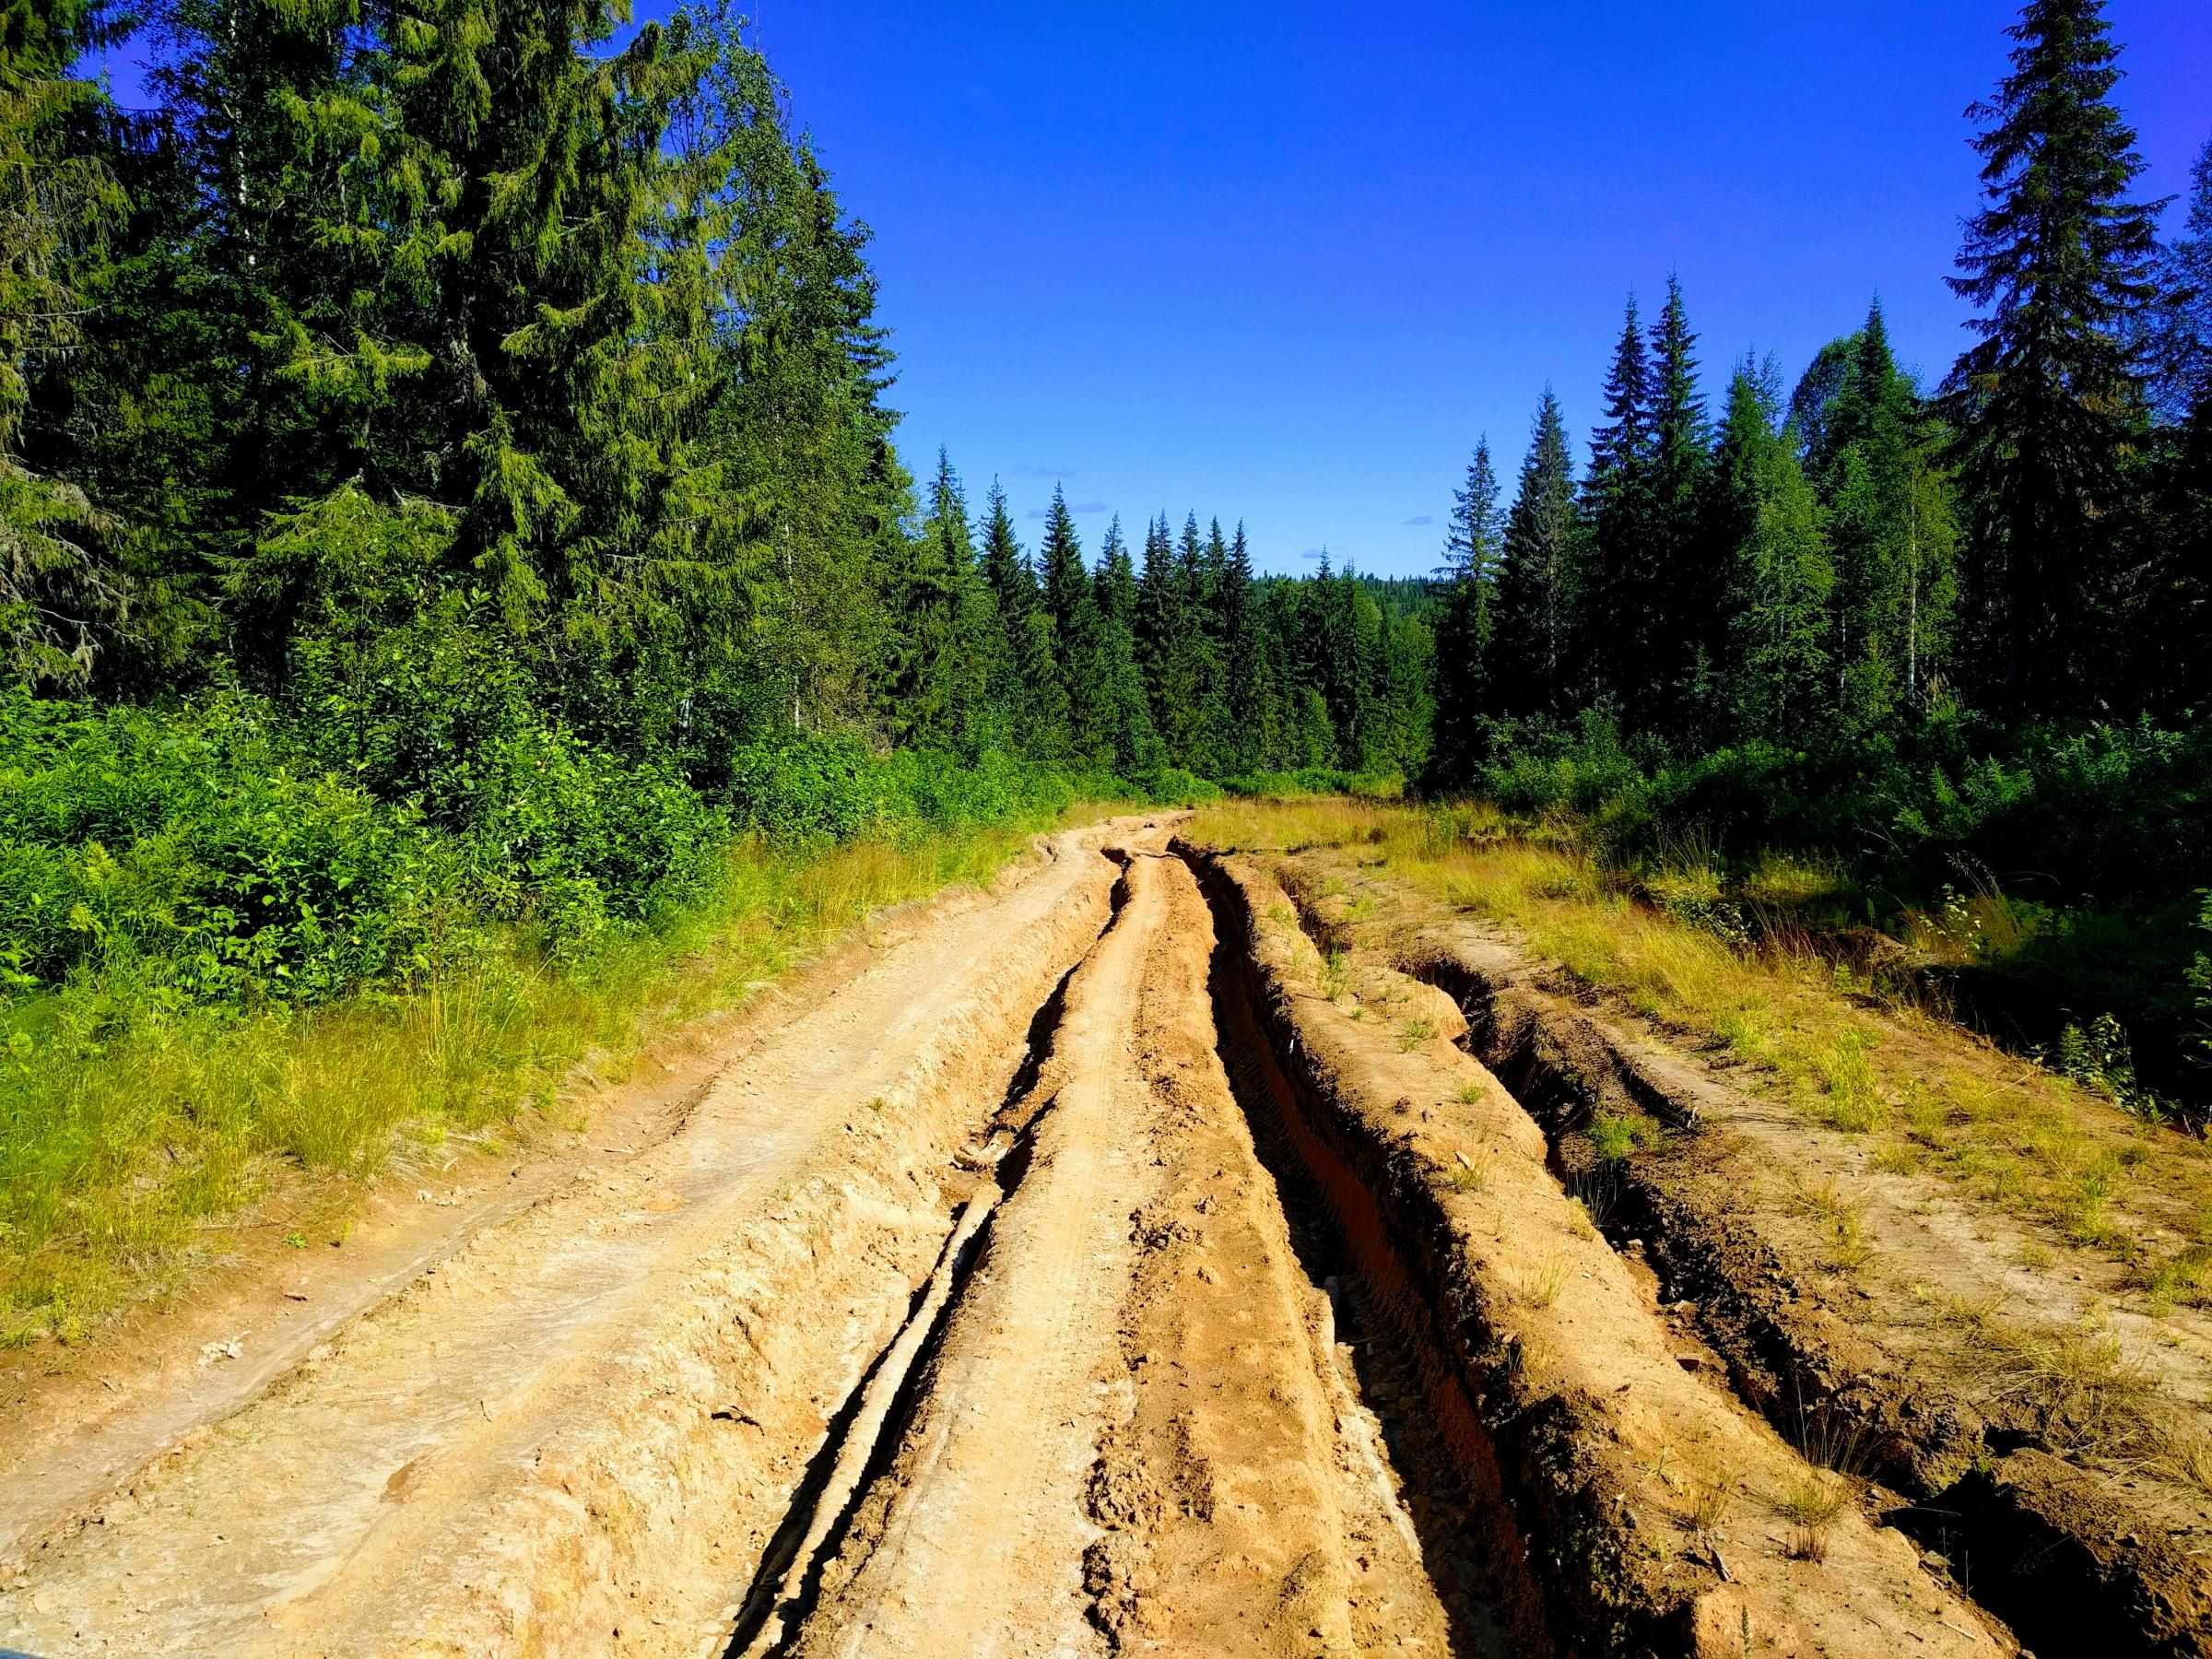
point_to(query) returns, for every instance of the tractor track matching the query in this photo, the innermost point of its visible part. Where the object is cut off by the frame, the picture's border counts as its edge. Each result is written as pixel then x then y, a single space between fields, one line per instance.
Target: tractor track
pixel 1076 1279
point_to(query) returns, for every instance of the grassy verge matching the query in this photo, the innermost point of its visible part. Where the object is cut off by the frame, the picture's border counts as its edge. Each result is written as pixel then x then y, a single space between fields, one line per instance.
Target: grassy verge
pixel 1924 1093
pixel 128 1144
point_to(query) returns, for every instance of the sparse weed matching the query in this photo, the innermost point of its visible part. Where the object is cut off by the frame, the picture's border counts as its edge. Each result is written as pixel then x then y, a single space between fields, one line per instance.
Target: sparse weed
pixel 1541 1285
pixel 1334 972
pixel 1470 1174
pixel 1809 1543
pixel 1813 1499
pixel 1417 1031
pixel 2084 1390
pixel 1711 1498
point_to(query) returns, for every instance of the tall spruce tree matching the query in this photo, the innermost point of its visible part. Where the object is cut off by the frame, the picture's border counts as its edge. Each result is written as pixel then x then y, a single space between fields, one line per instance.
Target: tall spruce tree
pixel 938 690
pixel 2178 338
pixel 1774 613
pixel 1136 744
pixel 2047 405
pixel 1464 686
pixel 62 593
pixel 1889 532
pixel 1679 574
pixel 1616 634
pixel 2174 333
pixel 1032 692
pixel 1534 636
pixel 1253 691
pixel 1079 657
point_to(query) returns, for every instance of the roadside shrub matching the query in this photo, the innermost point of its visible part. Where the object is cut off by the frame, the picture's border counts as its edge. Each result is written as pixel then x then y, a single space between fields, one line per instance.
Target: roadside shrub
pixel 579 840
pixel 184 847
pixel 1173 786
pixel 805 787
pixel 944 792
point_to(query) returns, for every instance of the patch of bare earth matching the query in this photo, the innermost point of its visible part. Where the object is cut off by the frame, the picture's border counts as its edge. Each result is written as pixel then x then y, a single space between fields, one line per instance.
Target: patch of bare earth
pixel 1134 1433
pixel 577 1432
pixel 1093 1268
pixel 2027 1409
pixel 1657 1513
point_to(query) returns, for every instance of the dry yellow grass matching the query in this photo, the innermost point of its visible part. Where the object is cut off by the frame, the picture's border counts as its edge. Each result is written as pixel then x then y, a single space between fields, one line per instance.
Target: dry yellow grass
pixel 1925 1094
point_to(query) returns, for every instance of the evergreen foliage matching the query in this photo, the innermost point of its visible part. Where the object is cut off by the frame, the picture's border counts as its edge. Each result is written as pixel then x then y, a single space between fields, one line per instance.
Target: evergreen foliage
pixel 2047 404
pixel 455 445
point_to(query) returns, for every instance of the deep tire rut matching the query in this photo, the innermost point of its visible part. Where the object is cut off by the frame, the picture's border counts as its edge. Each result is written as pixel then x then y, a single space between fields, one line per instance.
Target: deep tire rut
pixel 1086 1282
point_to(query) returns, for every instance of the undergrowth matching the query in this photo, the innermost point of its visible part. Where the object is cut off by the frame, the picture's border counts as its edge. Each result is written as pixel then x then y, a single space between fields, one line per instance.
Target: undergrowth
pixel 133 1127
pixel 2047 1146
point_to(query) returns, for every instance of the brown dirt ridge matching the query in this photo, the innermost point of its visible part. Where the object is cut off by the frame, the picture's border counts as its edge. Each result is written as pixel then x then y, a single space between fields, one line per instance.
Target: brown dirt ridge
pixel 1146 1256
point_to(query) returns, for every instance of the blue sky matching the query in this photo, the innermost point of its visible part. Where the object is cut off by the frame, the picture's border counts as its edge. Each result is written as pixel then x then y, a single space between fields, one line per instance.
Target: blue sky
pixel 1285 262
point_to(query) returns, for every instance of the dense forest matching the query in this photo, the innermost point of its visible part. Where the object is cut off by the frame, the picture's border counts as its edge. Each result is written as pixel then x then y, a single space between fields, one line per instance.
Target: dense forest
pixel 447 479
pixel 1955 634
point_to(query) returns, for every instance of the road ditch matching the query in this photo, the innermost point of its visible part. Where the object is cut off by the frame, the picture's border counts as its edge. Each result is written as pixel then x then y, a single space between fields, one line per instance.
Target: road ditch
pixel 1653 1512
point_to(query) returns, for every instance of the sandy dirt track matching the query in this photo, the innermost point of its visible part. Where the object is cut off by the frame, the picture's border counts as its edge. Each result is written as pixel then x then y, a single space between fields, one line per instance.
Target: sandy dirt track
pixel 1073 1278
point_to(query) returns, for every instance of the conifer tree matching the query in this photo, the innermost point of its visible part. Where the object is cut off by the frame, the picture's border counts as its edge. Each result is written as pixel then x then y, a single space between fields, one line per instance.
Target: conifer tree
pixel 1464 694
pixel 2046 403
pixel 938 688
pixel 2177 671
pixel 61 594
pixel 1078 661
pixel 1535 598
pixel 1032 691
pixel 1779 577
pixel 2174 333
pixel 1679 576
pixel 1255 693
pixel 1136 744
pixel 1178 650
pixel 1889 531
pixel 1613 627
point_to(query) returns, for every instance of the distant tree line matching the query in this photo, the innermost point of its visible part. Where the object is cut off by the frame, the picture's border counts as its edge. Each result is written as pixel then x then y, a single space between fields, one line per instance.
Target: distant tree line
pixel 1178 655
pixel 1837 565
pixel 439 368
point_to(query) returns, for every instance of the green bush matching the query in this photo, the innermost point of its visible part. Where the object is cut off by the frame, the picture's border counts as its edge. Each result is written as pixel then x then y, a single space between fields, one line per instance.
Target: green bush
pixel 185 848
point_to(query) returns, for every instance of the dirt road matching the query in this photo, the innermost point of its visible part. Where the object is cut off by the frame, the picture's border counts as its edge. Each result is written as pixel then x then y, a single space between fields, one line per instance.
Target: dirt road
pixel 1071 1278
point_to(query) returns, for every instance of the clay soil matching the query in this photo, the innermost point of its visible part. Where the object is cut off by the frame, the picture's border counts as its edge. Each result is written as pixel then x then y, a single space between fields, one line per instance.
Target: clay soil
pixel 1088 1267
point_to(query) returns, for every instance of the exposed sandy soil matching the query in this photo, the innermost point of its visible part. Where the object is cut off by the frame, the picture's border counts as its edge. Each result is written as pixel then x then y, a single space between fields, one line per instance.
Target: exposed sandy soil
pixel 75 1418
pixel 2035 1416
pixel 1601 1441
pixel 576 1434
pixel 1068 1275
pixel 1134 1434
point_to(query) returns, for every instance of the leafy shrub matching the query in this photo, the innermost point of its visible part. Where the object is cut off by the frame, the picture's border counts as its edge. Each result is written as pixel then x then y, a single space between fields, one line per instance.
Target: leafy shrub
pixel 1175 786
pixel 580 840
pixel 186 848
pixel 806 786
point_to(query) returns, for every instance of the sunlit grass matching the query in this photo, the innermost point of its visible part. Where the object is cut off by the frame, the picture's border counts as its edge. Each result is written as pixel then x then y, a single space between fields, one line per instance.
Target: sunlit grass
pixel 123 1153
pixel 1922 1093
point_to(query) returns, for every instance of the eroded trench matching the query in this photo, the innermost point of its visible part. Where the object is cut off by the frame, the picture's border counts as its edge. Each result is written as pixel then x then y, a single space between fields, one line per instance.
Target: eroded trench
pixel 1459 1508
pixel 2015 1545
pixel 864 1432
pixel 1404 1419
